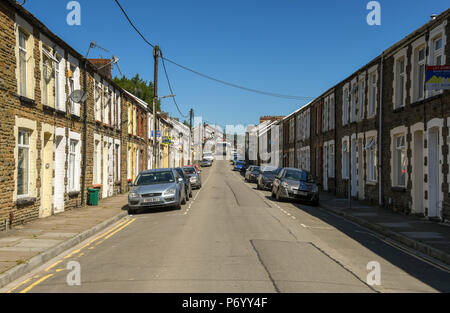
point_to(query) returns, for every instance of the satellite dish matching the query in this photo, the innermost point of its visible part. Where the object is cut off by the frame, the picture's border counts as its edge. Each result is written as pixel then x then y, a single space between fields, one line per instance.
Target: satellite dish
pixel 78 96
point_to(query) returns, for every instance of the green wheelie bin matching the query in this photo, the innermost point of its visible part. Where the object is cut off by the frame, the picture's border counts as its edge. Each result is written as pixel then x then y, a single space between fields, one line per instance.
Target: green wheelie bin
pixel 93 196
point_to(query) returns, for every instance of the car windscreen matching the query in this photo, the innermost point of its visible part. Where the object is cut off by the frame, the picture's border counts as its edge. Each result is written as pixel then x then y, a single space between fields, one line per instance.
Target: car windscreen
pixel 298 175
pixel 180 172
pixel 189 170
pixel 152 178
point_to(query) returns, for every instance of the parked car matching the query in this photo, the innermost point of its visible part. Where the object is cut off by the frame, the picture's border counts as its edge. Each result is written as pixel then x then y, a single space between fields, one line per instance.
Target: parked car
pixel 194 176
pixel 187 183
pixel 252 173
pixel 266 177
pixel 156 188
pixel 238 165
pixel 292 183
pixel 208 156
pixel 205 163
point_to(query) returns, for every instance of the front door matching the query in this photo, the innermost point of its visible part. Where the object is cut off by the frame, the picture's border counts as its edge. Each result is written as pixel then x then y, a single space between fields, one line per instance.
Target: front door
pixel 418 172
pixel 353 166
pixel 360 170
pixel 47 176
pixel 433 172
pixel 325 168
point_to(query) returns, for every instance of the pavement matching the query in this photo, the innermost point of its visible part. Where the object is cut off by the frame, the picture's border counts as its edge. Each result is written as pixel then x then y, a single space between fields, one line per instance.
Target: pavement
pixel 31 244
pixel 232 238
pixel 428 237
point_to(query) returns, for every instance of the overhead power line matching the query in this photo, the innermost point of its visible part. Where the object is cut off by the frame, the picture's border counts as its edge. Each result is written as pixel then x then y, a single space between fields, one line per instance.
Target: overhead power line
pixel 267 93
pixel 170 86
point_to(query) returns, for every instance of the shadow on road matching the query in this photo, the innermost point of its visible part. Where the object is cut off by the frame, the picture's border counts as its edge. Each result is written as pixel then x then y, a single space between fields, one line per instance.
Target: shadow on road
pixel 421 270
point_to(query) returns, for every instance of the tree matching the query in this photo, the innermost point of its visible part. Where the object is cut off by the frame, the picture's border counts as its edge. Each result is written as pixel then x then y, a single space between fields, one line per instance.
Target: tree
pixel 140 88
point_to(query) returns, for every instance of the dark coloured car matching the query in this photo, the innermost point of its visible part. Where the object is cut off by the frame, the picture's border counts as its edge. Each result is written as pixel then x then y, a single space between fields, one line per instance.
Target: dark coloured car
pixel 194 176
pixel 266 177
pixel 292 183
pixel 187 183
pixel 238 166
pixel 252 173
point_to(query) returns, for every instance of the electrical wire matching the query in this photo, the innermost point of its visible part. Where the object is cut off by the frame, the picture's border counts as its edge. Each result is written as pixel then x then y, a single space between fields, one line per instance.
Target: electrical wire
pixel 278 95
pixel 170 86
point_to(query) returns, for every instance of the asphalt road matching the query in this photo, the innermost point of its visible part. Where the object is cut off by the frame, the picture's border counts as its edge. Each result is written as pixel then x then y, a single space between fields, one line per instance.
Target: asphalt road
pixel 234 238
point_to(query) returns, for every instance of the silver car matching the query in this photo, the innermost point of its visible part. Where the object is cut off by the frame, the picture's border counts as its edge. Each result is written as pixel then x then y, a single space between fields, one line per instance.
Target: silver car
pixel 157 188
pixel 292 183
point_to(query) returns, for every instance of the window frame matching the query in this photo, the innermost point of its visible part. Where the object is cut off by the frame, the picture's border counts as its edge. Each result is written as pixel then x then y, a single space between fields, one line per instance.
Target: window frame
pixel 402 150
pixel 22 145
pixel 72 180
pixel 23 85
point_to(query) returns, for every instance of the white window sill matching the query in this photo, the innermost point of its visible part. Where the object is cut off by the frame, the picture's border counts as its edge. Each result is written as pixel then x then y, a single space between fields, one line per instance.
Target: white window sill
pixel 371 182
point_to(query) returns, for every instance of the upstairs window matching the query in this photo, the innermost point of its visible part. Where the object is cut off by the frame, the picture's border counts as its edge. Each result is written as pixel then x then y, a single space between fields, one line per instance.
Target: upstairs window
pixel 23 56
pixel 372 93
pixel 345 98
pixel 361 98
pixel 400 83
pixel 438 51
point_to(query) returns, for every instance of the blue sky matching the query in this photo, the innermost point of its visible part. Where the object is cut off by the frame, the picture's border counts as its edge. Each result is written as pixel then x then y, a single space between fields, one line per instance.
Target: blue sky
pixel 283 46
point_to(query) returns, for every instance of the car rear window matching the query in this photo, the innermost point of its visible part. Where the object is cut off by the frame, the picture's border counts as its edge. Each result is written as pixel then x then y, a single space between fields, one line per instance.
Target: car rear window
pixel 162 177
pixel 189 170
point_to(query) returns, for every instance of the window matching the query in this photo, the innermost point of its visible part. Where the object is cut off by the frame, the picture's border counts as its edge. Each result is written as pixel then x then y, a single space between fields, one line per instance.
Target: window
pixel 72 164
pixel 22 63
pixel 72 87
pixel 354 95
pixel 331 160
pixel 345 159
pixel 345 98
pixel 325 114
pixel 371 160
pixel 23 162
pixel 400 83
pixel 98 100
pixel 47 77
pixel 331 109
pixel 400 161
pixel 361 98
pixel 57 87
pixel 372 93
pixel 438 51
pixel 419 79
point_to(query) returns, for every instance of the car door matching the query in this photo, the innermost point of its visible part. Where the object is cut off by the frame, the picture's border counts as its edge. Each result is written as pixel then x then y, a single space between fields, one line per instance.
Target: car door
pixel 180 184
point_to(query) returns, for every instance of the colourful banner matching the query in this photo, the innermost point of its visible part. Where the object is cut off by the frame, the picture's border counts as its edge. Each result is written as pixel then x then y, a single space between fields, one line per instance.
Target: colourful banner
pixel 438 77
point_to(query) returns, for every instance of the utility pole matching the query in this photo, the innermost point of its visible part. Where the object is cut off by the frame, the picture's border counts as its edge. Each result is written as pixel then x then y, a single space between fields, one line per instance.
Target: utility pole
pixel 155 100
pixel 191 152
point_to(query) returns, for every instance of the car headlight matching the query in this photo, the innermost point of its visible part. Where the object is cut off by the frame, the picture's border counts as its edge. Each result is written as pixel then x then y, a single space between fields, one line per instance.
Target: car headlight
pixel 169 192
pixel 193 179
pixel 134 195
pixel 284 184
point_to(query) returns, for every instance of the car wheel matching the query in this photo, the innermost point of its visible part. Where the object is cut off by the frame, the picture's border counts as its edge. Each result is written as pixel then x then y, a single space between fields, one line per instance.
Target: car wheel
pixel 131 211
pixel 257 186
pixel 190 194
pixel 273 194
pixel 184 200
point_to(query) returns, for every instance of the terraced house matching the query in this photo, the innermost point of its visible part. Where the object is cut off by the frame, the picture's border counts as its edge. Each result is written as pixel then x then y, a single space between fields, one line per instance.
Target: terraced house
pixel 380 134
pixel 65 125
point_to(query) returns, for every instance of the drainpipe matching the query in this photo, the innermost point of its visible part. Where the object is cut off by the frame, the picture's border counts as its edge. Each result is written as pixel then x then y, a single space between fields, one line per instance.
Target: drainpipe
pixel 83 175
pixel 380 136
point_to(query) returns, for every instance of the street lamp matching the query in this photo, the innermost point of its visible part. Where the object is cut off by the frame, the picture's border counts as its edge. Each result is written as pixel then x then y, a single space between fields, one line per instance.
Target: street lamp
pixel 154 126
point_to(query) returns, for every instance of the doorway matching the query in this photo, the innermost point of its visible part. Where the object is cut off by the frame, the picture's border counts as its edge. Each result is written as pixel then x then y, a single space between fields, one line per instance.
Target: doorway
pixel 47 176
pixel 418 172
pixel 433 172
pixel 361 181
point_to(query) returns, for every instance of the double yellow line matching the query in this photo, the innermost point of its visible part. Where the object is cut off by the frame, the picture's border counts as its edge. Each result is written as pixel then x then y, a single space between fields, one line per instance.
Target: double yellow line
pixel 105 236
